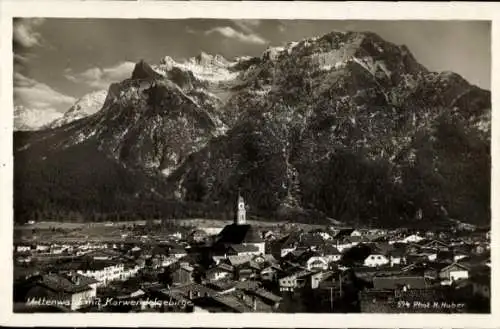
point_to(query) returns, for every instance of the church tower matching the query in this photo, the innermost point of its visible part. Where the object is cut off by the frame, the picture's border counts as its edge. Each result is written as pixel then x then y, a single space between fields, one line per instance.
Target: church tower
pixel 241 211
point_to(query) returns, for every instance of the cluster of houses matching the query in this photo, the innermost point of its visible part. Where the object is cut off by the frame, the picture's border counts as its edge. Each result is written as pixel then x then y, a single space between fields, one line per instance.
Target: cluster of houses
pixel 240 269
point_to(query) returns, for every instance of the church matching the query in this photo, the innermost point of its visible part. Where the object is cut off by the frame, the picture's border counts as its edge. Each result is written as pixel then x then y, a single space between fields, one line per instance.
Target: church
pixel 239 237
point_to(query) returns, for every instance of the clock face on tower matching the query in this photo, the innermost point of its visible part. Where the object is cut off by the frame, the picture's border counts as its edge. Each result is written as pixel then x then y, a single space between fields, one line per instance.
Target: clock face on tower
pixel 241 206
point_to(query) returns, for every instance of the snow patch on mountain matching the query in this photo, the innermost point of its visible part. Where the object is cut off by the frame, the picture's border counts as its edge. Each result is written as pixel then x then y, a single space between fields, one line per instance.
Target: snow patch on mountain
pixel 85 106
pixel 272 53
pixel 33 119
pixel 290 46
pixel 243 58
pixel 204 67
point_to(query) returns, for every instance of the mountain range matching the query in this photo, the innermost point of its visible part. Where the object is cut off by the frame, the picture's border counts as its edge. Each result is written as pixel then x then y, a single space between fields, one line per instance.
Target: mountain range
pixel 345 126
pixel 32 119
pixel 27 119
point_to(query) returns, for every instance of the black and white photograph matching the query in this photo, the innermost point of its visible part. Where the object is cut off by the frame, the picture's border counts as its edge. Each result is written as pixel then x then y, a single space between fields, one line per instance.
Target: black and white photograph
pixel 209 165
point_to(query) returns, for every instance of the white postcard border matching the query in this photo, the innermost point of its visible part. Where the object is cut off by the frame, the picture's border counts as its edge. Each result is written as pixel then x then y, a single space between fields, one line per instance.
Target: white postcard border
pixel 235 10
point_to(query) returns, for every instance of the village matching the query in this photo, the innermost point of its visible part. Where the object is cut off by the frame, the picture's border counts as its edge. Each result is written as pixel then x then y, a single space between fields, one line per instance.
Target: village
pixel 245 268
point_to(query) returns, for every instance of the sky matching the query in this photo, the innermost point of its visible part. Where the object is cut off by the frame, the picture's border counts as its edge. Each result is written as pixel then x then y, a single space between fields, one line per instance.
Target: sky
pixel 58 60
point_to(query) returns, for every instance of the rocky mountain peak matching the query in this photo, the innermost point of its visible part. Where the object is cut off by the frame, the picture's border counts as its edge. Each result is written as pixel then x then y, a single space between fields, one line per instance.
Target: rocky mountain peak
pixel 85 106
pixel 345 124
pixel 205 59
pixel 272 53
pixel 167 60
pixel 143 70
pixel 203 67
pixel 27 119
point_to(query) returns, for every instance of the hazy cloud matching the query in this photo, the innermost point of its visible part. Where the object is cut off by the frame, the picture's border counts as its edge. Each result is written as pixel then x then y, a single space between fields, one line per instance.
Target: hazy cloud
pixel 36 95
pixel 190 30
pixel 20 59
pixel 247 25
pixel 231 33
pixel 25 31
pixel 101 78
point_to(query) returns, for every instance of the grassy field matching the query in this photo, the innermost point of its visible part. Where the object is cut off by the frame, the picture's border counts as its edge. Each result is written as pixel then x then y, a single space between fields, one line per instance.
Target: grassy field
pixel 197 222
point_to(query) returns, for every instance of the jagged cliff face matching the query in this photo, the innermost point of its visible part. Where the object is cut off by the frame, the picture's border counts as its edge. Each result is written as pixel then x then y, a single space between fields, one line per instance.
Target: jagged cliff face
pixel 346 125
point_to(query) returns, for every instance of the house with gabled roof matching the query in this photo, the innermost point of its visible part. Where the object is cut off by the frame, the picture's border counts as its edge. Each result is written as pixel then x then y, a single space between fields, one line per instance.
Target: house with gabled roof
pixel 222 286
pixel 347 242
pixel 323 234
pixel 232 304
pixel 266 296
pixel 197 236
pixel 261 259
pixel 285 245
pixel 269 235
pixel 270 272
pixel 413 248
pixel 412 238
pixel 73 291
pixel 177 252
pixel 310 241
pixel 104 271
pixel 243 250
pixel 313 260
pixel 295 256
pixel 454 272
pixel 220 271
pixel 376 258
pixel 437 245
pixel 182 273
pixel 397 256
pixel 317 263
pixel 430 255
pixel 330 252
pixel 294 280
pixel 23 248
pixel 236 260
pixel 247 271
pixel 193 291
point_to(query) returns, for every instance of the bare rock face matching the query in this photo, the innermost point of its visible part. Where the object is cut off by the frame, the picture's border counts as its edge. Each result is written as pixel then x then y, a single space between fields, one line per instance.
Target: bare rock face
pixel 143 70
pixel 346 126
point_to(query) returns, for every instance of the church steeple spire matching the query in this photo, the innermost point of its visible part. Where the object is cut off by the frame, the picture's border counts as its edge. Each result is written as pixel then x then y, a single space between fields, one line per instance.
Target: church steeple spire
pixel 241 210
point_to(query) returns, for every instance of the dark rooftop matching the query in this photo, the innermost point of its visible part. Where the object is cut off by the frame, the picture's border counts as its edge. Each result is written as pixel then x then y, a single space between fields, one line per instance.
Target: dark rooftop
pixel 396 282
pixel 243 248
pixel 66 283
pixel 233 303
pixel 222 285
pixel 267 295
pixel 329 249
pixel 96 265
pixel 238 234
pixel 343 233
